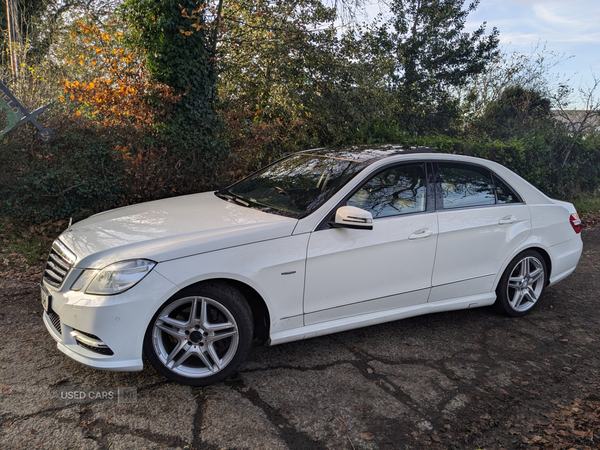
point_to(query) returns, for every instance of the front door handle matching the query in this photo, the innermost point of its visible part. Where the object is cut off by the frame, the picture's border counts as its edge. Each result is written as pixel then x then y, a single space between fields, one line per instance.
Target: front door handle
pixel 420 234
pixel 507 220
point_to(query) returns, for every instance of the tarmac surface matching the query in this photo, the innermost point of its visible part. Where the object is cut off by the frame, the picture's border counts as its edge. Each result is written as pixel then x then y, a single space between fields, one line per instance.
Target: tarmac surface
pixel 468 379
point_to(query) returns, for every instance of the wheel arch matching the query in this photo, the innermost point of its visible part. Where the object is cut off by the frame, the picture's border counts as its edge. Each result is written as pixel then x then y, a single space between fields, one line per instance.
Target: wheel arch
pixel 537 248
pixel 260 311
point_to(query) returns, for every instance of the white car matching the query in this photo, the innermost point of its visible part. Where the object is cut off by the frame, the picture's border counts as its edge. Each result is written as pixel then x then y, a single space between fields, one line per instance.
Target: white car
pixel 321 241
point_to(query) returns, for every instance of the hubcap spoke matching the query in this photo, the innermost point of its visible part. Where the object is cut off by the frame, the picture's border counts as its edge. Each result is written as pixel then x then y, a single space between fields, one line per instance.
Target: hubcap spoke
pixel 173 322
pixel 218 337
pixel 194 311
pixel 175 351
pixel 531 294
pixel 177 334
pixel 218 326
pixel 523 268
pixel 536 275
pixel 207 362
pixel 189 352
pixel 214 356
pixel 515 282
pixel 519 298
pixel 203 314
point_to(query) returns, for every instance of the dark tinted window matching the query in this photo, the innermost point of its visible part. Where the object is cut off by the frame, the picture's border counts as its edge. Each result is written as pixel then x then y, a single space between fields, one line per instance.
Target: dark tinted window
pixel 465 185
pixel 400 190
pixel 504 194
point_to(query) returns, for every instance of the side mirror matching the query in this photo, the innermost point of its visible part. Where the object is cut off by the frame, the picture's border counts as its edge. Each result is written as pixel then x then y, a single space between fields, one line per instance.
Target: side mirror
pixel 352 217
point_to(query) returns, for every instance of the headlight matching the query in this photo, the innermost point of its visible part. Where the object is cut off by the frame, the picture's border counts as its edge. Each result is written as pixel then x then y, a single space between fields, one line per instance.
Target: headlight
pixel 115 278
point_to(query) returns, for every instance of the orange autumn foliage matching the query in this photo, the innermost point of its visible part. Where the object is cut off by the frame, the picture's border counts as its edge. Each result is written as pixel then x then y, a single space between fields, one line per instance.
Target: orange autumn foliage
pixel 123 92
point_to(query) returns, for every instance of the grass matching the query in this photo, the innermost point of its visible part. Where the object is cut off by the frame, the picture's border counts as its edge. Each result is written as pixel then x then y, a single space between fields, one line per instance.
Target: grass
pixel 587 204
pixel 588 208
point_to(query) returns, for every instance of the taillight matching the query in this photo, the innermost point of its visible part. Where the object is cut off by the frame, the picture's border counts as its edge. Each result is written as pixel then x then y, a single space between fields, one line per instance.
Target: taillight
pixel 575 223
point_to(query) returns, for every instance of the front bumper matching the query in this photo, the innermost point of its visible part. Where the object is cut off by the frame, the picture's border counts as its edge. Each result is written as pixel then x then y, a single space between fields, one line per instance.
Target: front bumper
pixel 111 328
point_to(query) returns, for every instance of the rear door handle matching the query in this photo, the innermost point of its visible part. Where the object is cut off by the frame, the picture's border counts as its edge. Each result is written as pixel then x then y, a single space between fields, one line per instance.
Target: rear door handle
pixel 507 220
pixel 420 234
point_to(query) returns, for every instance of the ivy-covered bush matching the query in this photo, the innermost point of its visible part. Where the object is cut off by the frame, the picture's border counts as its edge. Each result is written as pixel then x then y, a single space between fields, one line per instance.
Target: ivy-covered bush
pixel 79 174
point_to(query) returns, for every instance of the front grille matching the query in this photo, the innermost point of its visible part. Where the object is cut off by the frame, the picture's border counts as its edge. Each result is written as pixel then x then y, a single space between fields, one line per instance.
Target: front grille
pixel 55 321
pixel 59 264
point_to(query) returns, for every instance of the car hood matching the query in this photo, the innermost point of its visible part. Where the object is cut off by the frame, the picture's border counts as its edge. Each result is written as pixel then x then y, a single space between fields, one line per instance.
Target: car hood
pixel 168 229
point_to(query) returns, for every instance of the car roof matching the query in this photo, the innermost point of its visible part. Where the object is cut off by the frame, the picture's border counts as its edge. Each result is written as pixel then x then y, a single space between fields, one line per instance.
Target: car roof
pixel 367 154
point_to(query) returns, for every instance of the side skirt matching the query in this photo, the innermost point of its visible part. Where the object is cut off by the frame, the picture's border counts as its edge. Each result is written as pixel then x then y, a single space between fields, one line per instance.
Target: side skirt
pixel 365 320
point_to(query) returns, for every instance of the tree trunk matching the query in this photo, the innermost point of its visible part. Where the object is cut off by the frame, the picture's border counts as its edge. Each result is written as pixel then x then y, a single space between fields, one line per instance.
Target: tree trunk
pixel 14 35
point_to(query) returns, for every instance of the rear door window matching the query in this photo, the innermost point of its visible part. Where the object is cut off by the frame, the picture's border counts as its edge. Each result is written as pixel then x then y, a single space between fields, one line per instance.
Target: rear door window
pixel 464 185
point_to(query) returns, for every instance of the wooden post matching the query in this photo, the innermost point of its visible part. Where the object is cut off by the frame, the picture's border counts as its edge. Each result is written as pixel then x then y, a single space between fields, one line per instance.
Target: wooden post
pixel 14 35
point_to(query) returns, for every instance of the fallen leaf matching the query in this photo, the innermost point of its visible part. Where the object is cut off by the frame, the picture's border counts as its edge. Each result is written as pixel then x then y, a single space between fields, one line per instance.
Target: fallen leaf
pixel 581 433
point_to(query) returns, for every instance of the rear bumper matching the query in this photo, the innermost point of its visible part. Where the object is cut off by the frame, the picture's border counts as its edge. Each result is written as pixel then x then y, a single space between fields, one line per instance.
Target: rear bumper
pixel 565 257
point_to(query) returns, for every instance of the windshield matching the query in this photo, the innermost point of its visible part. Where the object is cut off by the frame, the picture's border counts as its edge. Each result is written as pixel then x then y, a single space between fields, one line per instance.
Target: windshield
pixel 294 186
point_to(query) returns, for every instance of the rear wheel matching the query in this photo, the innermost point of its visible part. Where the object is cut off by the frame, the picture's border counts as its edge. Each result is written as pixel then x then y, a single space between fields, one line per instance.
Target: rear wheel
pixel 522 284
pixel 200 336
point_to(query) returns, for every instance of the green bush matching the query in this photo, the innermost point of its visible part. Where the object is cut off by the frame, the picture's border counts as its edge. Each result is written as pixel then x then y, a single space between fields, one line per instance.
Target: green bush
pixel 79 174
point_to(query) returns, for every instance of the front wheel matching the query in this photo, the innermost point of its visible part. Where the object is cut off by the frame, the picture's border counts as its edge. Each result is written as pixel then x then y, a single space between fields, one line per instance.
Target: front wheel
pixel 522 284
pixel 200 336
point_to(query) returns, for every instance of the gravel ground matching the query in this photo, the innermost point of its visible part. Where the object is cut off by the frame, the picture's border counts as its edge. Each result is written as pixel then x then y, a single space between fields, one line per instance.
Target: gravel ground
pixel 465 380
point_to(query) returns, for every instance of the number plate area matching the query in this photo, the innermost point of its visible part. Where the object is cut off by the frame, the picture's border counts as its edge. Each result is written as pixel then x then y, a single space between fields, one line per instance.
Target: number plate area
pixel 46 299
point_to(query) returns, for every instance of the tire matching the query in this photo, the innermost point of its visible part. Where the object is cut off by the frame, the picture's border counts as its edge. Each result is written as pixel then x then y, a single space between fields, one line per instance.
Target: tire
pixel 522 284
pixel 206 348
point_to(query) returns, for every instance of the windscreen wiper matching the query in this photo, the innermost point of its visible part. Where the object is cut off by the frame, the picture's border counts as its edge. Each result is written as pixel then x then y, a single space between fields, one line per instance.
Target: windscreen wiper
pixel 232 197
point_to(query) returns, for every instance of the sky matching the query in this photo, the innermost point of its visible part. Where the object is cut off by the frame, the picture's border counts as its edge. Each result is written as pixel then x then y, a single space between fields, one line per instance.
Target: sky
pixel 569 27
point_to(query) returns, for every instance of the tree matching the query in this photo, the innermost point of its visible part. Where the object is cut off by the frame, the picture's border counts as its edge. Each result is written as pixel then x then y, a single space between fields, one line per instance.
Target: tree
pixel 432 54
pixel 184 61
pixel 284 62
pixel 271 52
pixel 41 23
pixel 515 113
pixel 531 71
